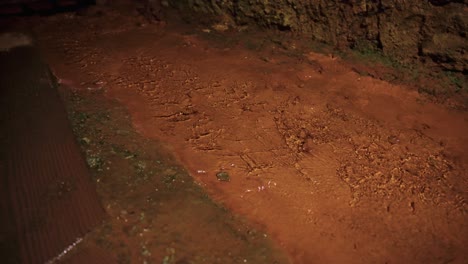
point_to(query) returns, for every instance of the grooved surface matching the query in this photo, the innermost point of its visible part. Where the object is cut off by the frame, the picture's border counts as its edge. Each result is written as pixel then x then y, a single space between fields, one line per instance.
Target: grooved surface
pixel 47 196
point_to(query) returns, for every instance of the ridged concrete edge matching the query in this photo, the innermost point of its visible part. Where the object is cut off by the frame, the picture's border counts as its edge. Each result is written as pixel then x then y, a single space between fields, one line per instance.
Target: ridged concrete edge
pixel 48 196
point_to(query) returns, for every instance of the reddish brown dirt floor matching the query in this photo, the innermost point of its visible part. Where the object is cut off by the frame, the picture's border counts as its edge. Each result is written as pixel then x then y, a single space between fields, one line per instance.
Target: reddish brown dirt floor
pixel 157 213
pixel 338 167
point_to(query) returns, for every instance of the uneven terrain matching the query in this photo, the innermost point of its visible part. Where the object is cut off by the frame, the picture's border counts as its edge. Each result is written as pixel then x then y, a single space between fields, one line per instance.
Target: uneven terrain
pixel 338 167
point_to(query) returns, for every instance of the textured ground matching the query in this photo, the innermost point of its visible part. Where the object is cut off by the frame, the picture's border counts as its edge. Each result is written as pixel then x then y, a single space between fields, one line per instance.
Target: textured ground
pixel 338 167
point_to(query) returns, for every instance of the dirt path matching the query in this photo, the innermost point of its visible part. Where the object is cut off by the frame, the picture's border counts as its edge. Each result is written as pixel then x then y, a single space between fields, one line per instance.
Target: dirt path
pixel 156 212
pixel 339 168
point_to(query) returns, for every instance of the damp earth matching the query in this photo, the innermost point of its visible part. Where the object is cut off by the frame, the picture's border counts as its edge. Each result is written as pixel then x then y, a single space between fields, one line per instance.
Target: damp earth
pixel 215 146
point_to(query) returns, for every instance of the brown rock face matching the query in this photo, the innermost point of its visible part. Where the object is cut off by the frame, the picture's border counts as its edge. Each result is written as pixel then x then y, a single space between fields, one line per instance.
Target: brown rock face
pixel 154 9
pixel 432 31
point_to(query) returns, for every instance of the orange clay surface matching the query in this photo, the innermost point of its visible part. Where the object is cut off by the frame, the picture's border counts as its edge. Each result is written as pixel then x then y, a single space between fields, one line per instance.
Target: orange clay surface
pixel 337 167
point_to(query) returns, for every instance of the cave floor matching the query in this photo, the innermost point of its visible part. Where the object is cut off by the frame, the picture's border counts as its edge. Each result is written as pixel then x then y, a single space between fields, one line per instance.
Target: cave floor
pixel 335 167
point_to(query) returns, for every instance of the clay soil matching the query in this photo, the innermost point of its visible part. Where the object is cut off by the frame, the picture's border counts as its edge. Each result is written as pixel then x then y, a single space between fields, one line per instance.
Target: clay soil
pixel 337 167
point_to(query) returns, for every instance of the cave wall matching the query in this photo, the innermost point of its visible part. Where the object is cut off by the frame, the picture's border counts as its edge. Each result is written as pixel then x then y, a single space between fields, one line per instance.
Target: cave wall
pixel 430 31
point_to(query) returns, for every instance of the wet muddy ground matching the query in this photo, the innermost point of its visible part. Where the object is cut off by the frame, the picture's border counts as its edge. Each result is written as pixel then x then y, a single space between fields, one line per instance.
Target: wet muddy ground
pixel 157 213
pixel 336 166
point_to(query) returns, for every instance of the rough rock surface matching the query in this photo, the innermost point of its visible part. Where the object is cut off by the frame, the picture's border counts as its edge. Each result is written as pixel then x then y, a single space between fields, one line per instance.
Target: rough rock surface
pixel 430 31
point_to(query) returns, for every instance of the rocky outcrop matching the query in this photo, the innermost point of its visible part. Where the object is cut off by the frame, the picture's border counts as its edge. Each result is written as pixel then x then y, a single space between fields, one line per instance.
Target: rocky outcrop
pixel 430 31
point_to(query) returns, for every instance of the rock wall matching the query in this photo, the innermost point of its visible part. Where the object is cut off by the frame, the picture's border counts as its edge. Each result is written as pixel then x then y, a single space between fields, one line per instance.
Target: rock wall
pixel 430 31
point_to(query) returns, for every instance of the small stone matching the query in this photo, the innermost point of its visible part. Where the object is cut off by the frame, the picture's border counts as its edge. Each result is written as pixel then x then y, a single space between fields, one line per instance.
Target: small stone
pixel 223 176
pixel 170 172
pixel 86 140
pixel 220 27
pixel 393 140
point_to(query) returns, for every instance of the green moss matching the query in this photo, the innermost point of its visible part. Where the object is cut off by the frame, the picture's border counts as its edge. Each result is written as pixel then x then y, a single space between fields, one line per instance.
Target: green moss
pixel 372 55
pixel 456 81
